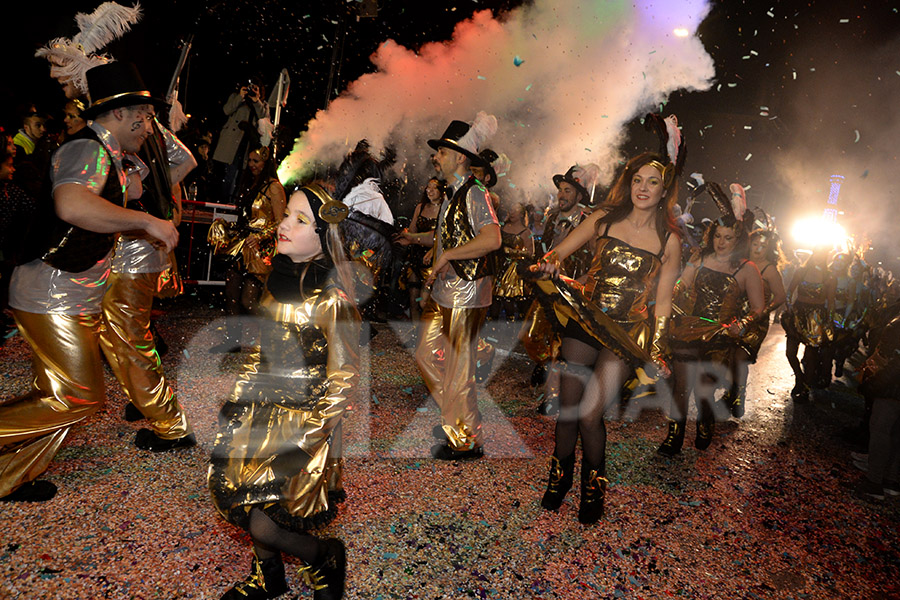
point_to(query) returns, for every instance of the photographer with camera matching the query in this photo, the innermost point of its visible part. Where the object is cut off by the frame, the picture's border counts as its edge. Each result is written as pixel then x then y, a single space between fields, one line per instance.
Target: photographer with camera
pixel 245 107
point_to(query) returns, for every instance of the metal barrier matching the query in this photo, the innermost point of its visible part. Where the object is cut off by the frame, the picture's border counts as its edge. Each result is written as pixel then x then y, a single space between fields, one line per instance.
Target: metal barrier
pixel 196 218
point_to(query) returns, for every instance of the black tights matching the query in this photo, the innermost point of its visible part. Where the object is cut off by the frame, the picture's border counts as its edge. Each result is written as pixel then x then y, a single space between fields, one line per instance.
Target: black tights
pixel 700 378
pixel 269 538
pixel 590 384
pixel 242 294
pixel 808 373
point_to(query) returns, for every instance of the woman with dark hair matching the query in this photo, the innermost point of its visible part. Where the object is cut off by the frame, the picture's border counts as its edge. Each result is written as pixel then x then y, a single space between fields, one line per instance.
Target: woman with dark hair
pixel 420 236
pixel 275 468
pixel 703 336
pixel 766 254
pixel 807 321
pixel 635 264
pixel 251 244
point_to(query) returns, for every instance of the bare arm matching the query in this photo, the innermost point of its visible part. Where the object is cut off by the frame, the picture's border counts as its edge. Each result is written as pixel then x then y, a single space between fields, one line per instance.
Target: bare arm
pixel 777 286
pixel 278 199
pixel 76 205
pixel 179 172
pixel 579 236
pixel 753 287
pixel 668 275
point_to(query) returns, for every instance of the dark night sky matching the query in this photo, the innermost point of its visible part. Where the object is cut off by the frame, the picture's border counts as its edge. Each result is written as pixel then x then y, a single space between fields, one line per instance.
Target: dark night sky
pixel 827 71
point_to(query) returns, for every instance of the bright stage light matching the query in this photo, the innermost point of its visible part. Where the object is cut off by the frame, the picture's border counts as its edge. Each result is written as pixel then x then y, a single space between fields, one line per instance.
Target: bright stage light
pixel 815 231
pixel 682 32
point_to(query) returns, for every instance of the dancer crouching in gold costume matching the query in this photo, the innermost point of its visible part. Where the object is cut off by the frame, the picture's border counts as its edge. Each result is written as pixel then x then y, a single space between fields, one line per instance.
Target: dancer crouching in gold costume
pixel 610 326
pixel 271 470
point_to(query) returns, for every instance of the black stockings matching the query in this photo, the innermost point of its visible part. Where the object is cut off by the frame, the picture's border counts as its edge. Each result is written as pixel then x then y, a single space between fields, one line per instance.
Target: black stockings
pixel 590 384
pixel 269 539
pixel 702 378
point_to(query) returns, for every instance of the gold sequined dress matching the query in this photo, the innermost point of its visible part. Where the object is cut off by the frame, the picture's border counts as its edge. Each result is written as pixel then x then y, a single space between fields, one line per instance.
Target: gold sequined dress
pixel 612 309
pixel 259 219
pixel 508 283
pixel 272 448
pixel 808 322
pixel 702 313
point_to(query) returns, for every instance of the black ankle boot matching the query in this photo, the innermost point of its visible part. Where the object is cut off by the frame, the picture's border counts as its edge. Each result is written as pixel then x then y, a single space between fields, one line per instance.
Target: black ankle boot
pixel 705 428
pixel 800 393
pixel 674 440
pixel 559 482
pixel 737 401
pixel 266 580
pixel 327 574
pixel 593 494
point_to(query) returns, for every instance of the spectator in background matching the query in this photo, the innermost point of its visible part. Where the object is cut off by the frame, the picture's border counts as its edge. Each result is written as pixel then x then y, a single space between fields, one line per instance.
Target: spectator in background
pixel 238 136
pixel 72 119
pixel 33 154
pixel 33 129
pixel 15 205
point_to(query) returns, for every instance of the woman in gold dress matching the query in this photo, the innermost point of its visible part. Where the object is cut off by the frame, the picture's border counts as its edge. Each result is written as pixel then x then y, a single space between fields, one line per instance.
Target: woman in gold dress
pixel 510 290
pixel 766 254
pixel 635 265
pixel 273 469
pixel 420 238
pixel 704 332
pixel 807 321
pixel 251 244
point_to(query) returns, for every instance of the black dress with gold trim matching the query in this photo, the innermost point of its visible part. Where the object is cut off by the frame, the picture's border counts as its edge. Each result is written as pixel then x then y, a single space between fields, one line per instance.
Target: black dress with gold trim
pixel 702 312
pixel 808 322
pixel 612 309
pixel 272 448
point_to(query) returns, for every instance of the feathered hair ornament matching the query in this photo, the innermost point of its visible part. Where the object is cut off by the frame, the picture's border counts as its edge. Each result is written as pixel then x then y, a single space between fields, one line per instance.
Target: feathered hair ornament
pixel 70 59
pixel 671 145
pixel 482 129
pixel 360 165
pixel 738 200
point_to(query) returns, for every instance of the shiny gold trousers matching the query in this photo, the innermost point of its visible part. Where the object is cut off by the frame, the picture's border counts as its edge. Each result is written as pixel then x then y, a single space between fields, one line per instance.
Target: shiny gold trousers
pixel 129 347
pixel 67 389
pixel 446 359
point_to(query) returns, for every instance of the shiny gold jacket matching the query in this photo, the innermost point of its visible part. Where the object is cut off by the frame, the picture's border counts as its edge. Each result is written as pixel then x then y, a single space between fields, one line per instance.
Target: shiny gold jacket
pixel 272 448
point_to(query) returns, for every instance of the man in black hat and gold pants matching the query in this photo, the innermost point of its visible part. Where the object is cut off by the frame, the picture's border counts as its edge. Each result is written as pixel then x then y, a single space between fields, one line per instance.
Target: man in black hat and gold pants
pixel 467 231
pixel 56 297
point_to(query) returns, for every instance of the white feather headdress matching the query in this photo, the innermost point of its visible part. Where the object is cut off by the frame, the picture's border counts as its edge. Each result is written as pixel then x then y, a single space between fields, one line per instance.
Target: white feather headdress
pixel 481 130
pixel 71 58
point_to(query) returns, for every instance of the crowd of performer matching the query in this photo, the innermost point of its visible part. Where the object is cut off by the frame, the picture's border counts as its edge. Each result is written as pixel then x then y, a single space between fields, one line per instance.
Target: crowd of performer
pixel 612 295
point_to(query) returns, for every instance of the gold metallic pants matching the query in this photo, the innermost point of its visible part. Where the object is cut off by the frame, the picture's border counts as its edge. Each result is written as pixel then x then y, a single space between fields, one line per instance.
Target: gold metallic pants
pixel 131 352
pixel 446 359
pixel 67 389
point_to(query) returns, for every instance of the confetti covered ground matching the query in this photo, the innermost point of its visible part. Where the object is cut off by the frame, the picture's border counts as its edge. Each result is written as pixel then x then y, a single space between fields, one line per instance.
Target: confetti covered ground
pixel 766 512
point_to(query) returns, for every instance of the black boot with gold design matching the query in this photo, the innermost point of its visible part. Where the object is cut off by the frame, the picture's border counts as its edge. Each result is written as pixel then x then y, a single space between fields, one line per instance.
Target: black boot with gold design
pixel 674 440
pixel 706 425
pixel 559 482
pixel 326 576
pixel 266 580
pixel 737 399
pixel 593 494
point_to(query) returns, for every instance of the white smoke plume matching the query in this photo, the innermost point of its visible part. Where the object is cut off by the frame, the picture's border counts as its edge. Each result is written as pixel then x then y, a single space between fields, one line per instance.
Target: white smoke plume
pixel 562 77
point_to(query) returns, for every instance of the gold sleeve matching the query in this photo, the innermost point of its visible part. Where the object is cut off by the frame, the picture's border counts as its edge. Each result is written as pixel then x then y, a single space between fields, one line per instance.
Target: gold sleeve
pixel 339 320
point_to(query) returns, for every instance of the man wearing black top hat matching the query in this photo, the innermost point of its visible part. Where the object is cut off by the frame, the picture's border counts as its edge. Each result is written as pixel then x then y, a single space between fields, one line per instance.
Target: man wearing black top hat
pixel 572 195
pixel 467 231
pixel 56 297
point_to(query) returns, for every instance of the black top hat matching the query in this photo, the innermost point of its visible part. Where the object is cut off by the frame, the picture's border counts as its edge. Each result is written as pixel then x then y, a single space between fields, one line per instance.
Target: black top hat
pixel 490 174
pixel 114 85
pixel 455 131
pixel 570 178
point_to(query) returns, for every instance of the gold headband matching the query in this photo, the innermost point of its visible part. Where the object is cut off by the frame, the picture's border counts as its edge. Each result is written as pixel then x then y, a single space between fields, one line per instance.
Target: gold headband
pixel 668 171
pixel 143 93
pixel 331 210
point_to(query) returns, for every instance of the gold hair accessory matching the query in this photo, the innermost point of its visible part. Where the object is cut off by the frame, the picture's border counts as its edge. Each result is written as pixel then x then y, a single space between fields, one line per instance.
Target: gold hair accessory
pixel 333 212
pixel 263 152
pixel 78 104
pixel 668 171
